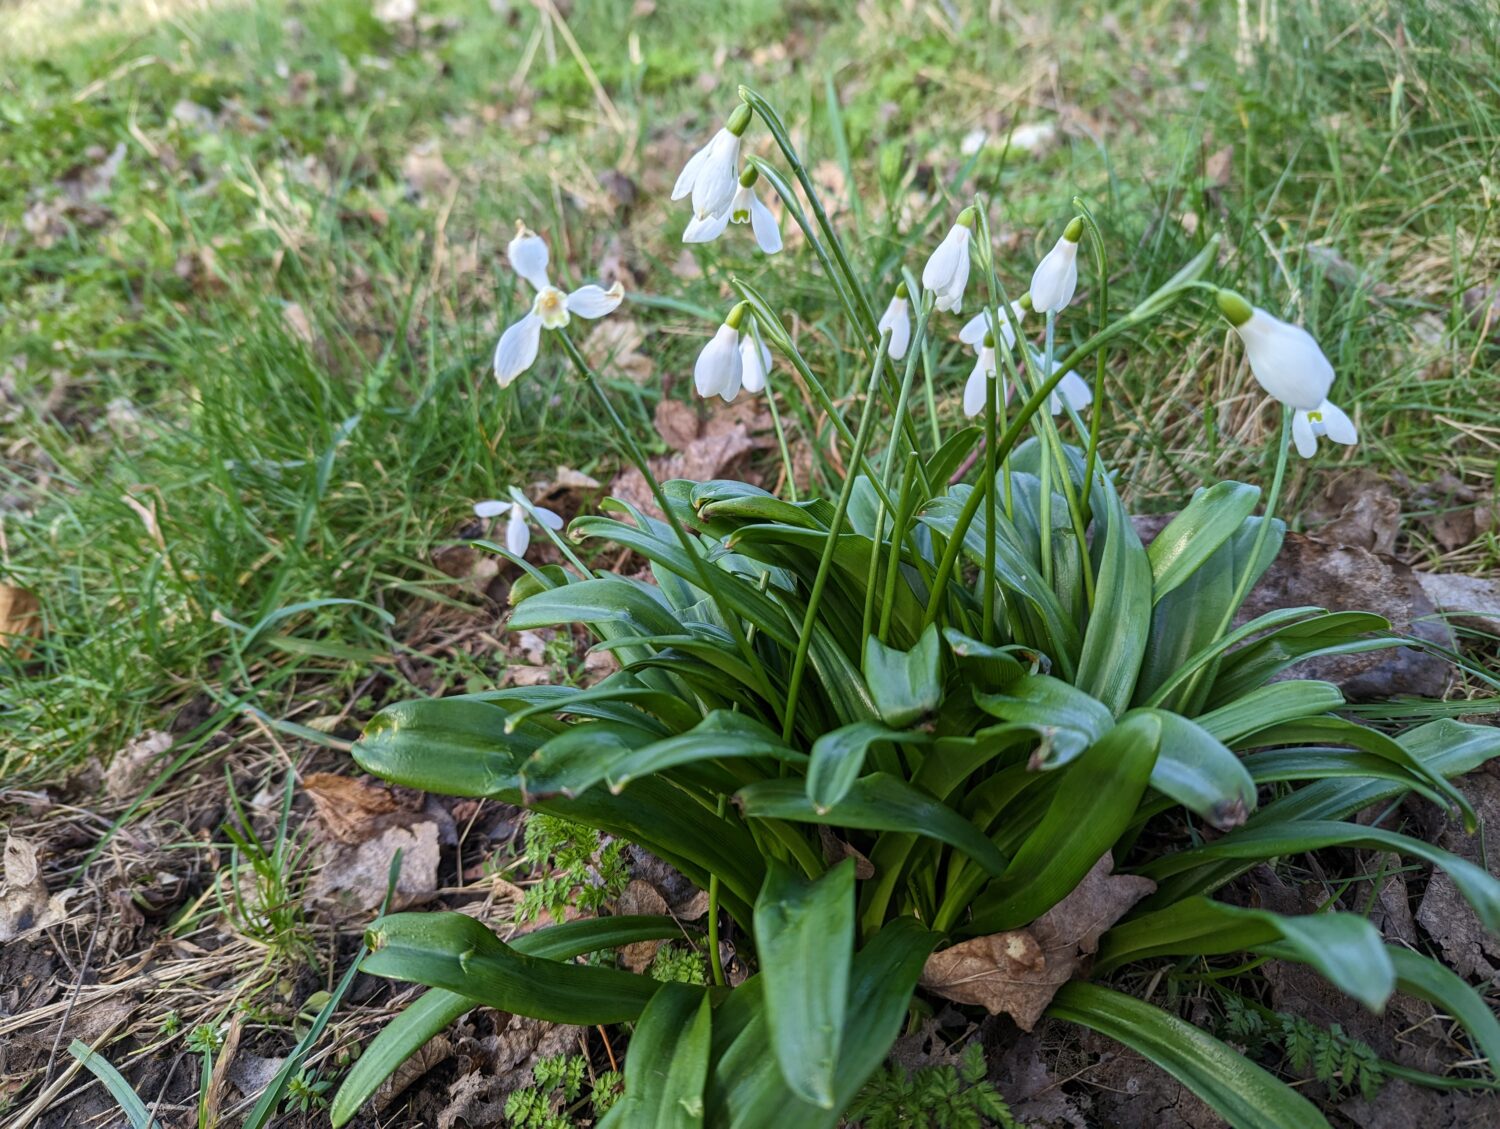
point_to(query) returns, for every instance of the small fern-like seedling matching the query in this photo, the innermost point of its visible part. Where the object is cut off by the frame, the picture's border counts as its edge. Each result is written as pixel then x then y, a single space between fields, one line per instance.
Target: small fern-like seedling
pixel 571 865
pixel 934 1097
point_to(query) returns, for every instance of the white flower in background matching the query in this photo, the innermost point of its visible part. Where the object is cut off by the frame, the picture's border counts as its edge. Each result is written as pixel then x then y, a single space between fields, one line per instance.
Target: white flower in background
pixel 976 327
pixel 1326 419
pixel 976 388
pixel 745 207
pixel 1056 276
pixel 552 308
pixel 947 270
pixel 1072 391
pixel 1284 358
pixel 897 318
pixel 517 532
pixel 755 360
pixel 712 173
pixel 720 368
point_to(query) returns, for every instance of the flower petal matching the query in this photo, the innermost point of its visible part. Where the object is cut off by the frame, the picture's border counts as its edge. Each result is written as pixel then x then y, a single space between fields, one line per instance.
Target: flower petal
pixel 550 518
pixel 1286 361
pixel 690 172
pixel 528 256
pixel 1073 392
pixel 976 392
pixel 755 362
pixel 763 223
pixel 1055 278
pixel 1303 437
pixel 718 364
pixel 490 507
pixel 897 318
pixel 975 328
pixel 718 176
pixel 594 301
pixel 517 536
pixel 1337 426
pixel 517 348
pixel 705 229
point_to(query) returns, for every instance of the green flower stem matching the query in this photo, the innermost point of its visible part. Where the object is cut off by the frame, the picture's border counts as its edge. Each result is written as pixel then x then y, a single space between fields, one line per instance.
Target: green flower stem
pixel 1101 283
pixel 786 454
pixel 898 533
pixel 705 572
pixel 991 416
pixel 716 962
pixel 930 396
pixel 1242 586
pixel 804 641
pixel 1046 468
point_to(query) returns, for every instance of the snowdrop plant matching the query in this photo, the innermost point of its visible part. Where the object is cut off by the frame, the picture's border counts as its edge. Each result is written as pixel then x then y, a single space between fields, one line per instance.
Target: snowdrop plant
pixel 552 308
pixel 519 517
pixel 905 726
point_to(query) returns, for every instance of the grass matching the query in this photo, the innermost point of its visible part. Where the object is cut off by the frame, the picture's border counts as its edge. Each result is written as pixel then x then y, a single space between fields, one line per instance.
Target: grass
pixel 243 364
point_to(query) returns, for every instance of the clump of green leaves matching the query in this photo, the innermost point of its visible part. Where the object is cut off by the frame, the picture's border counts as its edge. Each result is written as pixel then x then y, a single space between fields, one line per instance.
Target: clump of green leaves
pixel 1347 1066
pixel 553 1100
pixel 570 865
pixel 932 1097
pixel 679 963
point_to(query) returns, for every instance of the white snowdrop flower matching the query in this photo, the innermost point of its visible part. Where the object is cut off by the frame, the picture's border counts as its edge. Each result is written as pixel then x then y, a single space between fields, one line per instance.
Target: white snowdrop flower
pixel 712 173
pixel 755 360
pixel 1072 390
pixel 977 326
pixel 897 318
pixel 947 270
pixel 720 369
pixel 551 309
pixel 744 207
pixel 1284 358
pixel 1326 419
pixel 705 229
pixel 976 388
pixel 1056 276
pixel 517 531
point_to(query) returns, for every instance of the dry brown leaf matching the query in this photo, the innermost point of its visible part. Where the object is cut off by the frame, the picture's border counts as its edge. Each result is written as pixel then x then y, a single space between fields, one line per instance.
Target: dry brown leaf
pixel 350 810
pixel 299 323
pixel 132 765
pixel 615 344
pixel 1019 971
pixel 434 1052
pixel 640 897
pixel 676 423
pixel 353 878
pixel 25 905
pixel 835 850
pixel 20 619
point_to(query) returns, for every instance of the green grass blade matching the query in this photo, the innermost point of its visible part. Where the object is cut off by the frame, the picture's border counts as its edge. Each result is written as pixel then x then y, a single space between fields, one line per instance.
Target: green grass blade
pixel 125 1097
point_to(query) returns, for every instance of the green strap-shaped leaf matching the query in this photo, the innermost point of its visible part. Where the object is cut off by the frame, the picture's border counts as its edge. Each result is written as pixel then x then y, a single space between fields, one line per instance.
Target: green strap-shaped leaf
pixel 667 1065
pixel 1195 534
pixel 838 757
pixel 1425 978
pixel 1199 772
pixel 1477 885
pixel 456 952
pixel 452 746
pixel 906 685
pixel 1092 806
pixel 1069 719
pixel 1337 633
pixel 804 934
pixel 1270 705
pixel 436 1008
pixel 1115 640
pixel 608 600
pixel 1344 947
pixel 878 802
pixel 1244 1094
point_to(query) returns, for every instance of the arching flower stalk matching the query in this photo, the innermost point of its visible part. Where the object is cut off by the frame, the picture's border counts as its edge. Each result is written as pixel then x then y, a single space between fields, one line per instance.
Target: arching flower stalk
pixel 552 309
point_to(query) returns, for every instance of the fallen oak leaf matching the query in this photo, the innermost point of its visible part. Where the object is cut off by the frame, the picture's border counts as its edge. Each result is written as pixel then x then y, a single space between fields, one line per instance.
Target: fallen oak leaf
pixel 1019 971
pixel 350 810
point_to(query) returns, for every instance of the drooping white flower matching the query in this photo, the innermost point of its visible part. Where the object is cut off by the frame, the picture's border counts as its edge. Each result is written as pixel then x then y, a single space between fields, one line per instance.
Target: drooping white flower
pixel 1056 276
pixel 551 309
pixel 712 173
pixel 755 360
pixel 1072 390
pixel 1326 419
pixel 977 326
pixel 720 368
pixel 1285 359
pixel 897 318
pixel 744 207
pixel 976 388
pixel 947 270
pixel 517 531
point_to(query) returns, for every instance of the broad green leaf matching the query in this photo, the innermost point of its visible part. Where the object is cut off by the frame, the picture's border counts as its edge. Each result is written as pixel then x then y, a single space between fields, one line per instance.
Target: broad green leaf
pixel 996 666
pixel 950 456
pixel 838 758
pixel 878 802
pixel 1337 633
pixel 1344 947
pixel 1120 622
pixel 455 952
pixel 1199 772
pixel 124 1094
pixel 667 1063
pixel 1479 888
pixel 1195 534
pixel 577 758
pixel 636 606
pixel 804 935
pixel 905 685
pixel 1095 799
pixel 1270 705
pixel 1244 1094
pixel 452 746
pixel 436 1008
pixel 1064 715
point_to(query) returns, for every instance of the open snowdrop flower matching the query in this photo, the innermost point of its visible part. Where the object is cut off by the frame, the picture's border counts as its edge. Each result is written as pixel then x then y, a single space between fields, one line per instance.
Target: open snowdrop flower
pixel 755 360
pixel 712 173
pixel 744 207
pixel 1072 390
pixel 517 532
pixel 1285 359
pixel 897 318
pixel 976 388
pixel 1326 419
pixel 720 368
pixel 1056 276
pixel 947 270
pixel 978 326
pixel 552 308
